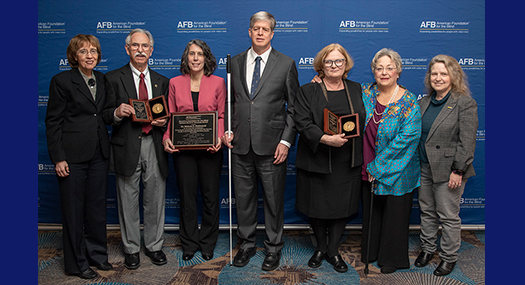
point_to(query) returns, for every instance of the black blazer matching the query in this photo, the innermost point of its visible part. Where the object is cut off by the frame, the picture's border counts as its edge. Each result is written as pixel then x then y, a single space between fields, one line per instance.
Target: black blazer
pixel 126 136
pixel 312 155
pixel 74 123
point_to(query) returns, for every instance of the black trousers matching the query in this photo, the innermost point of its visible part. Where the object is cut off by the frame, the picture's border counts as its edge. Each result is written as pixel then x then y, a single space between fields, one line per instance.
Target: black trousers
pixel 328 233
pixel 196 168
pixel 83 205
pixel 390 228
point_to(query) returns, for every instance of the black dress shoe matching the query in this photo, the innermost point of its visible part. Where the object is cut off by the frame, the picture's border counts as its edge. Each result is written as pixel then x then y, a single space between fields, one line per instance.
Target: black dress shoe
pixel 338 263
pixel 105 266
pixel 207 255
pixel 188 256
pixel 317 259
pixel 242 258
pixel 423 259
pixel 132 261
pixel 271 261
pixel 444 268
pixel 157 257
pixel 88 274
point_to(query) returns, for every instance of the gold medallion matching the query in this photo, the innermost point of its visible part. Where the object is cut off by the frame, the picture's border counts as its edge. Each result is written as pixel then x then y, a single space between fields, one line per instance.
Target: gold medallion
pixel 157 108
pixel 349 126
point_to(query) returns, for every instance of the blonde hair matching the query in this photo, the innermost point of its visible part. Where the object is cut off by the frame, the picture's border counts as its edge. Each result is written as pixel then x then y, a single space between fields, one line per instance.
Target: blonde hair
pixel 321 55
pixel 458 78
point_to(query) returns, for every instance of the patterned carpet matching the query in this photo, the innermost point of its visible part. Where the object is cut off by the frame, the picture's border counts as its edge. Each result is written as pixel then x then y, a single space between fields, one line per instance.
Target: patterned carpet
pixel 470 268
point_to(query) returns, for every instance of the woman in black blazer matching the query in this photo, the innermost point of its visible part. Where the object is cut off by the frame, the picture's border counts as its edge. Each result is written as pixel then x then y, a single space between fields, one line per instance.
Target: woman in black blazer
pixel 448 139
pixel 78 145
pixel 328 166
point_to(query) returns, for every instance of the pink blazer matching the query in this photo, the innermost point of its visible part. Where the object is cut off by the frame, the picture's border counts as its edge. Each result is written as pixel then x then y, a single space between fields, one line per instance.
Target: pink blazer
pixel 212 97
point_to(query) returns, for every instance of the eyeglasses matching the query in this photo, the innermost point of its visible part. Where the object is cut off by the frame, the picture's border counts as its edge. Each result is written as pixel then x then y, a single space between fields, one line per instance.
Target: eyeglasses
pixel 136 46
pixel 84 52
pixel 387 69
pixel 338 62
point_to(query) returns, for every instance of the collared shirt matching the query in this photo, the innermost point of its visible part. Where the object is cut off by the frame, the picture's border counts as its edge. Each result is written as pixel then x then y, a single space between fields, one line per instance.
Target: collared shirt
pixel 136 79
pixel 250 64
pixel 93 89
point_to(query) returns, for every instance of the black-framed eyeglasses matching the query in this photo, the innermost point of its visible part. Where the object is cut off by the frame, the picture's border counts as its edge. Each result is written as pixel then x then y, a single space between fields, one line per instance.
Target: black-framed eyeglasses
pixel 338 62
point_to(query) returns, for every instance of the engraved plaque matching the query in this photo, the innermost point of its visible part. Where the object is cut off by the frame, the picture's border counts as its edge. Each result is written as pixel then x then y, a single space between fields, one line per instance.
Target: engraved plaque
pixel 194 130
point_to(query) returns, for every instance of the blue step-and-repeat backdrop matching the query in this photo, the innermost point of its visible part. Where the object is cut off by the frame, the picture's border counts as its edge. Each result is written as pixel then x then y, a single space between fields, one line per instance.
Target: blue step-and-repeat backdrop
pixel 417 30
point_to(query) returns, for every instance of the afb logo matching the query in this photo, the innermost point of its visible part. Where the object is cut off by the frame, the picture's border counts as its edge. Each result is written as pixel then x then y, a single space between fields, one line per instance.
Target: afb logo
pixel 466 61
pixel 185 24
pixel 347 24
pixel 428 24
pixel 104 25
pixel 306 63
pixel 306 60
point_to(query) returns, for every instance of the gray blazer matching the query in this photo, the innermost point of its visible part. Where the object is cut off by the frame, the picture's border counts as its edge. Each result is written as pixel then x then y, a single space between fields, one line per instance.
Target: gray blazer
pixel 451 141
pixel 266 119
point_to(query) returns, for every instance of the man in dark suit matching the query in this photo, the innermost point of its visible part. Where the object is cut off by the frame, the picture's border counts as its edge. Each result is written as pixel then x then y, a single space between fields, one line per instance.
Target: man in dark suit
pixel 138 153
pixel 264 82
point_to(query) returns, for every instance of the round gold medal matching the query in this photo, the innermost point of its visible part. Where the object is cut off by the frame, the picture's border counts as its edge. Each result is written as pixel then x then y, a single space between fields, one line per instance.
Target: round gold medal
pixel 157 108
pixel 349 126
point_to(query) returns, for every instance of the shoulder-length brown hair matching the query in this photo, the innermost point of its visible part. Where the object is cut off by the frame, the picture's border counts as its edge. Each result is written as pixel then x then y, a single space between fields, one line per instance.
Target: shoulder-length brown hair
pixel 458 78
pixel 321 55
pixel 210 64
pixel 76 43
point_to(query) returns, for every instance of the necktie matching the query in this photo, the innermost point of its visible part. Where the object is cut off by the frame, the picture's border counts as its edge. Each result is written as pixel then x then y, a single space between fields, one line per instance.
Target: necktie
pixel 256 76
pixel 143 95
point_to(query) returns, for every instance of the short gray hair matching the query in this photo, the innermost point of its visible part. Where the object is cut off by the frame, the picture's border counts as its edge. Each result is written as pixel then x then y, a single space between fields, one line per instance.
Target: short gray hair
pixel 394 56
pixel 263 16
pixel 138 30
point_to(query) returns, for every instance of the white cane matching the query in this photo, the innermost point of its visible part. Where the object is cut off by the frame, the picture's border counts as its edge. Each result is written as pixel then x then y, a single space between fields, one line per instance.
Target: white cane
pixel 228 80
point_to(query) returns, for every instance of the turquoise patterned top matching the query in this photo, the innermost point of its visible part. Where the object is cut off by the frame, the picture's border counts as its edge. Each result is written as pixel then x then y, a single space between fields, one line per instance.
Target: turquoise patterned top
pixel 396 167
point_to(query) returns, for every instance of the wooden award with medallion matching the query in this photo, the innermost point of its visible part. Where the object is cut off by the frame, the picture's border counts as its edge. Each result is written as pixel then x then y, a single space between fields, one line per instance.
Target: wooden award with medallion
pixel 348 124
pixel 149 110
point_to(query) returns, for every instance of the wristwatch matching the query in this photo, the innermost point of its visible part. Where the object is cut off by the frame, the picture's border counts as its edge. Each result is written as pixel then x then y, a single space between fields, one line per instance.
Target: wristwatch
pixel 458 172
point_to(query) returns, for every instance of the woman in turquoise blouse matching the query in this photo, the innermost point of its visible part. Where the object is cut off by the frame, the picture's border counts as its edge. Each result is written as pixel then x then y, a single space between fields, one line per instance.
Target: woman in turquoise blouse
pixel 391 163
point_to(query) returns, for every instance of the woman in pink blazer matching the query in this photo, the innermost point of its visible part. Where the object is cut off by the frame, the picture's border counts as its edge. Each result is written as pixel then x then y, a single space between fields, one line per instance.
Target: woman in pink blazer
pixel 197 90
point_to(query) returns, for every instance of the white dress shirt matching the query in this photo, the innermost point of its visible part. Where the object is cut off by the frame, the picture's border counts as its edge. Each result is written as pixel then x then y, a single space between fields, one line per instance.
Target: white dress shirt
pixel 250 65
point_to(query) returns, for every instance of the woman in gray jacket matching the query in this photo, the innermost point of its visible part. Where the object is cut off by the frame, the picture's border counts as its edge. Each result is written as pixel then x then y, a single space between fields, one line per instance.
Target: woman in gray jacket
pixel 446 150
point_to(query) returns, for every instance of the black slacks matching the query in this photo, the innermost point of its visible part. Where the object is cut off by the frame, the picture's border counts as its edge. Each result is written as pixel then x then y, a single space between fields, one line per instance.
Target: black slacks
pixel 390 228
pixel 83 205
pixel 196 168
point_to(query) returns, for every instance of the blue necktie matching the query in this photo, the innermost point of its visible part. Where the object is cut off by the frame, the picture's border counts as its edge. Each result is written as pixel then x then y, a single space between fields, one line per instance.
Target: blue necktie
pixel 256 76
